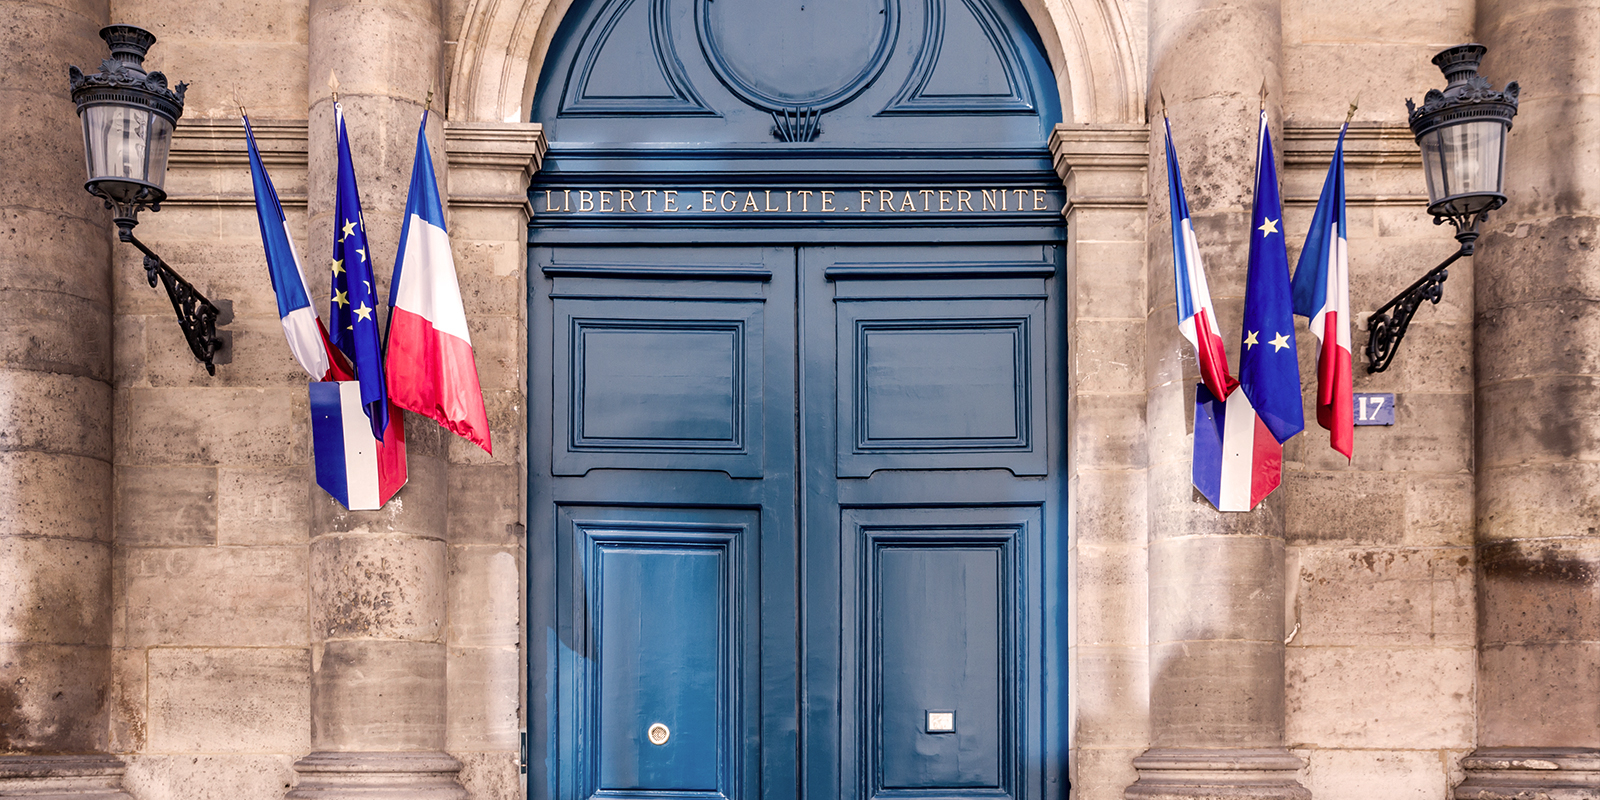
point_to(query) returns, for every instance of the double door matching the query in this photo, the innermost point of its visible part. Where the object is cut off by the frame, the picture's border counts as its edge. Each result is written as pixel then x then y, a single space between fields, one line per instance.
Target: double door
pixel 797 522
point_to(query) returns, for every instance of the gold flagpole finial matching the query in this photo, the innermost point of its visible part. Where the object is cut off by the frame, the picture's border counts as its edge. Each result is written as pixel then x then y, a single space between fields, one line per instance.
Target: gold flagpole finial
pixel 1354 104
pixel 428 103
pixel 1163 96
pixel 333 85
pixel 238 102
pixel 1263 106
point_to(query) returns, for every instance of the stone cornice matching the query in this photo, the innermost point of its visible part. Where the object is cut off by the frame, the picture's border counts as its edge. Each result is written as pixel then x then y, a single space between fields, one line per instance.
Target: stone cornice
pixel 1367 144
pixel 491 163
pixel 1102 166
pixel 203 143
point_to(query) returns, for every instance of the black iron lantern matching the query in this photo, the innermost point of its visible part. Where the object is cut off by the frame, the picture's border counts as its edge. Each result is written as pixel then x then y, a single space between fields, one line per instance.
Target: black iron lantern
pixel 128 116
pixel 1462 132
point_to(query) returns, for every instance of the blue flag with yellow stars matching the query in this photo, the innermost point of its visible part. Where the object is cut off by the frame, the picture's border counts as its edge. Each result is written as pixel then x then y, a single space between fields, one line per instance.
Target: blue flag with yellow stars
pixel 353 311
pixel 1269 364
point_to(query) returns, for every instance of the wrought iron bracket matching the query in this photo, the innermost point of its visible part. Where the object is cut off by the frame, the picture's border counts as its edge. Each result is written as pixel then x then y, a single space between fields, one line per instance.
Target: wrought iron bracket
pixel 1387 326
pixel 197 316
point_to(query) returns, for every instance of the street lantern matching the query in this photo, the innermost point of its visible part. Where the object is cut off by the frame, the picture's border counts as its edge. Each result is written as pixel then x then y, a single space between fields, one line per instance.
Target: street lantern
pixel 128 116
pixel 1462 132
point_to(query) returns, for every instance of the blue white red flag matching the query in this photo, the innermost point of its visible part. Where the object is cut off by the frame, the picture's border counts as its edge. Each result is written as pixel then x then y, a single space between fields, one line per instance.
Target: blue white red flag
pixel 1322 293
pixel 1269 364
pixel 1237 462
pixel 1197 318
pixel 430 360
pixel 308 339
pixel 353 466
pixel 353 308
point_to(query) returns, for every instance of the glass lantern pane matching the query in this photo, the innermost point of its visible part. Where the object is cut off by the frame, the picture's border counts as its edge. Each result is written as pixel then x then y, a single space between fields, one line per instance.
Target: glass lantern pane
pixel 1471 155
pixel 1433 167
pixel 116 138
pixel 160 145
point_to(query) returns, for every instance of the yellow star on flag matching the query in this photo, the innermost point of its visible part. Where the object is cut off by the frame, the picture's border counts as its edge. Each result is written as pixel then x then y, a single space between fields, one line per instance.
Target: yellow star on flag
pixel 338 266
pixel 1250 339
pixel 1268 227
pixel 341 298
pixel 363 254
pixel 362 311
pixel 1281 342
pixel 349 228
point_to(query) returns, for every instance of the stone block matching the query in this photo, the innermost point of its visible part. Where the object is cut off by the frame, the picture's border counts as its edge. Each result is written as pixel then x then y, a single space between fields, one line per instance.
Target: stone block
pixel 1110 431
pixel 1108 357
pixel 485 596
pixel 1364 774
pixel 1216 587
pixel 490 775
pixel 258 356
pixel 129 700
pixel 1110 696
pixel 1553 499
pixel 484 686
pixel 508 423
pixel 378 586
pixel 486 504
pixel 54 413
pixel 1383 596
pixel 227 265
pixel 1102 773
pixel 48 331
pixel 1542 419
pixel 1332 507
pixel 55 591
pixel 1439 510
pixel 1546 693
pixel 1112 598
pixel 229 700
pixel 166 506
pixel 1552 173
pixel 1110 507
pixel 1528 260
pixel 264 506
pixel 500 348
pixel 418 509
pixel 235 776
pixel 1540 590
pixel 63 249
pixel 278 78
pixel 52 698
pixel 218 596
pixel 378 695
pixel 55 495
pixel 1435 359
pixel 237 427
pixel 1539 339
pixel 1410 697
pixel 1216 694
pixel 1109 280
pixel 1090 225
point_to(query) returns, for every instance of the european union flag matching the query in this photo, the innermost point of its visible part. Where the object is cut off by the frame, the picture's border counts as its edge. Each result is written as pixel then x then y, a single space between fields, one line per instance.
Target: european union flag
pixel 353 311
pixel 1269 365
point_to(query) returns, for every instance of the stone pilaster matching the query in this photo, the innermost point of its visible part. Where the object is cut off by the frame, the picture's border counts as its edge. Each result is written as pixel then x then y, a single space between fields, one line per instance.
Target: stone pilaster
pixel 1104 170
pixel 378 578
pixel 1538 389
pixel 55 417
pixel 1216 580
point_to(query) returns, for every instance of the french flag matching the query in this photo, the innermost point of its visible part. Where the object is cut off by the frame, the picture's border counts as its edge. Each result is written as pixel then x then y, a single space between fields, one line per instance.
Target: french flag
pixel 1322 293
pixel 1237 460
pixel 308 339
pixel 1197 318
pixel 357 469
pixel 429 357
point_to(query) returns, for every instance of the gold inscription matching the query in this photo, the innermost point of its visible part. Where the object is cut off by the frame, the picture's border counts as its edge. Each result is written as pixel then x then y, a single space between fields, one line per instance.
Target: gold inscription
pixel 803 201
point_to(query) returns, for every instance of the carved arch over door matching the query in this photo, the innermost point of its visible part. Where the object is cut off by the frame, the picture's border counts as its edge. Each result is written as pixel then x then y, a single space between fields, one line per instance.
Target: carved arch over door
pixel 1094 48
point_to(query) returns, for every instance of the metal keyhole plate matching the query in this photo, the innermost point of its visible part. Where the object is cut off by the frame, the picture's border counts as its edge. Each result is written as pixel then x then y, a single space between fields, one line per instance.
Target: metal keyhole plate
pixel 659 734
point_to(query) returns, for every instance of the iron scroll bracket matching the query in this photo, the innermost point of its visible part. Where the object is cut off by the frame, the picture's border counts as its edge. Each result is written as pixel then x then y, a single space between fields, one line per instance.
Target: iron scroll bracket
pixel 1387 326
pixel 197 316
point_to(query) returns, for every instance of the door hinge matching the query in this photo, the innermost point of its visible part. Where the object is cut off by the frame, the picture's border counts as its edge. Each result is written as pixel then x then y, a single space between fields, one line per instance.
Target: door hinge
pixel 522 754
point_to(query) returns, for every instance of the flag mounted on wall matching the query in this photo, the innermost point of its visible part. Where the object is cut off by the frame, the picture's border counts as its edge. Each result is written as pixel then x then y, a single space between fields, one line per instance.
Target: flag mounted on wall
pixel 353 307
pixel 1322 293
pixel 308 339
pixel 430 359
pixel 1238 443
pixel 352 465
pixel 1197 318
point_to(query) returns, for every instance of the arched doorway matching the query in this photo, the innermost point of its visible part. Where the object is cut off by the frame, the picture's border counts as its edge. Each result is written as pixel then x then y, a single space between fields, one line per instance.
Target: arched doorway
pixel 796 444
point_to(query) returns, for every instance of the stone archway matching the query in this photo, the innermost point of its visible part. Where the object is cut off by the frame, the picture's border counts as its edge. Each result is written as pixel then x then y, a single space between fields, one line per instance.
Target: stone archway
pixel 1091 45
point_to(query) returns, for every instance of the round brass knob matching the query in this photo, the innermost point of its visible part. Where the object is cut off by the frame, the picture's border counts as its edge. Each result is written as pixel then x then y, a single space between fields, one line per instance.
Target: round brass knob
pixel 659 734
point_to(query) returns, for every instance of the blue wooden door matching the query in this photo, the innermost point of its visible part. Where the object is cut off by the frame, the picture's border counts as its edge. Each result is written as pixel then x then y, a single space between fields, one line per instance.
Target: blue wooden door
pixel 802 512
pixel 796 404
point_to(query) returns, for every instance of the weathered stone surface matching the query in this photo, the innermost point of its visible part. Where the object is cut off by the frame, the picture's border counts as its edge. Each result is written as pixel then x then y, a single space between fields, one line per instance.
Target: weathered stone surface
pixel 52 698
pixel 1539 692
pixel 1362 774
pixel 378 586
pixel 48 331
pixel 227 700
pixel 264 506
pixel 258 427
pixel 1111 604
pixel 1414 697
pixel 378 695
pixel 1349 506
pixel 54 591
pixel 485 596
pixel 210 777
pixel 1111 507
pixel 1355 597
pixel 1439 510
pixel 486 503
pixel 1540 590
pixel 166 506
pixel 55 413
pixel 484 685
pixel 490 775
pixel 129 707
pixel 1214 588
pixel 225 596
pixel 1110 696
pixel 1110 430
pixel 1204 693
pixel 418 509
pixel 55 495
